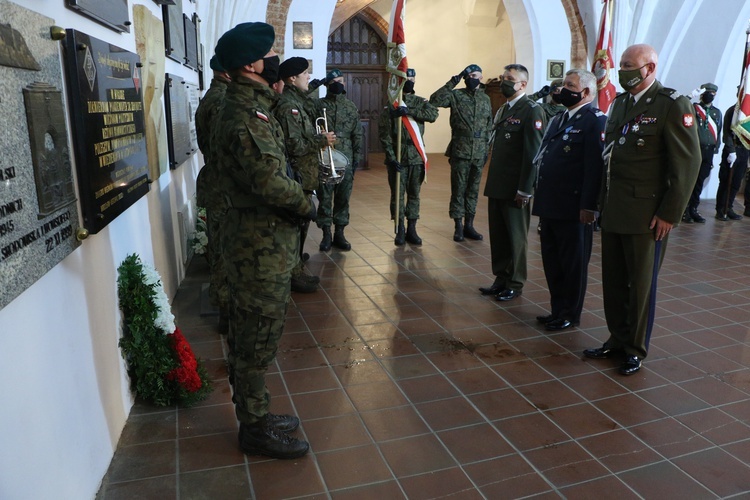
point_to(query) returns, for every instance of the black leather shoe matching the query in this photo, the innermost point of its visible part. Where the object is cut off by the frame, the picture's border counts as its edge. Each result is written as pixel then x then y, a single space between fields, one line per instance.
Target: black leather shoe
pixel 507 295
pixel 283 423
pixel 733 215
pixel 558 324
pixel 697 217
pixel 602 352
pixel 300 285
pixel 492 290
pixel 686 218
pixel 631 365
pixel 261 438
pixel 545 319
pixel 721 216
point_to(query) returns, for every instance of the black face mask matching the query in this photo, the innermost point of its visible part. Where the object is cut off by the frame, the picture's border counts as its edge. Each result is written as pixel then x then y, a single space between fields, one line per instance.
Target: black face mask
pixel 336 88
pixel 270 69
pixel 408 87
pixel 707 98
pixel 471 83
pixel 568 98
pixel 508 88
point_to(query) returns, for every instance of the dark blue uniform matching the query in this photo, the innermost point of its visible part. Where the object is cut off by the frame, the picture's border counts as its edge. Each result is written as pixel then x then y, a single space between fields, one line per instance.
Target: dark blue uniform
pixel 570 173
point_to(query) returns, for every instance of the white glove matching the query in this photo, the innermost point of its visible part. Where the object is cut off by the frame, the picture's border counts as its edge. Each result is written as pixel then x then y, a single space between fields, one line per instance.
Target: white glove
pixel 696 94
pixel 731 157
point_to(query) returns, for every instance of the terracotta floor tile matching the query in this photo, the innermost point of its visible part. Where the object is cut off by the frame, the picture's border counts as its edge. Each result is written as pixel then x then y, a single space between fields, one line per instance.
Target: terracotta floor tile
pixel 451 483
pixel 673 400
pixel 308 380
pixel 718 471
pixel 150 427
pixel 670 437
pixel 502 404
pixel 285 478
pixel 209 452
pixel 476 380
pixel 429 388
pixel 374 491
pixel 531 431
pixel 416 455
pixel 408 366
pixel 565 464
pixel 629 409
pixel 207 420
pixel 162 487
pixel 352 466
pixel 143 461
pixel 333 433
pixel 581 420
pixel 716 426
pixel 360 372
pixel 322 404
pixel 620 450
pixel 375 396
pixel 664 480
pixel 549 395
pixel 592 490
pixel 475 443
pixel 394 423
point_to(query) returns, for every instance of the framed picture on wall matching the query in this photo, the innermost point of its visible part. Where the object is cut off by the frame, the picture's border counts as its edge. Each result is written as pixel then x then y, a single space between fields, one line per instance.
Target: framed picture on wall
pixel 302 35
pixel 555 69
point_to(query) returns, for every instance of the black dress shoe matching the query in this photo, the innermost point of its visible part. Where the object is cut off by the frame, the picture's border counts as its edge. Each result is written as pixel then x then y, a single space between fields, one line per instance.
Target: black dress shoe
pixel 733 215
pixel 631 365
pixel 558 324
pixel 602 352
pixel 545 319
pixel 508 294
pixel 491 290
pixel 697 217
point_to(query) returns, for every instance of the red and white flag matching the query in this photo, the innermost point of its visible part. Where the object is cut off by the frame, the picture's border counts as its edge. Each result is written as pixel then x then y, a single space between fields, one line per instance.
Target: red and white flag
pixel 741 118
pixel 396 67
pixel 603 62
pixel 708 119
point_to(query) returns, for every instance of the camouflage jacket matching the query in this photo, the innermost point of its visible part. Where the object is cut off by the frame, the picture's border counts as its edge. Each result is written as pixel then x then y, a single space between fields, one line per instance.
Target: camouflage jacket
pixel 471 121
pixel 422 111
pixel 302 143
pixel 343 119
pixel 248 148
pixel 208 109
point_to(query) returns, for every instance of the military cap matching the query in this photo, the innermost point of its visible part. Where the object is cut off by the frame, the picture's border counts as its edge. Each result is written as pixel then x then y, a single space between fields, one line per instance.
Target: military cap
pixel 710 87
pixel 410 73
pixel 292 67
pixel 472 68
pixel 244 44
pixel 556 84
pixel 216 65
pixel 334 73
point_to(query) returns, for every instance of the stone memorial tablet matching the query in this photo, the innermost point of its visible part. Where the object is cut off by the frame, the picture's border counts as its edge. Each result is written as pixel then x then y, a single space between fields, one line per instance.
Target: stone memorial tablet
pixel 182 101
pixel 174 32
pixel 191 43
pixel 106 109
pixel 111 13
pixel 38 213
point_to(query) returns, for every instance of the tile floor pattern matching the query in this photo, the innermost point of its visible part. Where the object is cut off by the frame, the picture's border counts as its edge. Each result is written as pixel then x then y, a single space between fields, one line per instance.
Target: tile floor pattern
pixel 410 384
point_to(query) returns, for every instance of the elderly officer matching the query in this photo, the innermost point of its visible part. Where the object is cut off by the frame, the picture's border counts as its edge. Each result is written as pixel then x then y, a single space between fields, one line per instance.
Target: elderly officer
pixel 567 191
pixel 471 121
pixel 518 130
pixel 653 157
pixel 303 146
pixel 709 133
pixel 260 236
pixel 207 196
pixel 411 165
pixel 343 119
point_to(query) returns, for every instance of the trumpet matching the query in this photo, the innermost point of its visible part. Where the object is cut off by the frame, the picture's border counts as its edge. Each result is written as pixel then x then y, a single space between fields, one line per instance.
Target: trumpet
pixel 332 163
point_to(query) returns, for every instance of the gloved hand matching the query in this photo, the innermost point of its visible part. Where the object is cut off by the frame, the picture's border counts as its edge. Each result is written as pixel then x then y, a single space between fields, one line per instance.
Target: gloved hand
pixel 544 92
pixel 312 215
pixel 731 158
pixel 696 94
pixel 464 72
pixel 395 165
pixel 455 79
pixel 314 84
pixel 399 111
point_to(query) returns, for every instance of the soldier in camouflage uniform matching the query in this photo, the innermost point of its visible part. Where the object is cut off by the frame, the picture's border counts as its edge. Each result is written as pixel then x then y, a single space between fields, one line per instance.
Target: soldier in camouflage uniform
pixel 411 165
pixel 343 119
pixel 260 234
pixel 471 122
pixel 303 146
pixel 208 196
pixel 548 95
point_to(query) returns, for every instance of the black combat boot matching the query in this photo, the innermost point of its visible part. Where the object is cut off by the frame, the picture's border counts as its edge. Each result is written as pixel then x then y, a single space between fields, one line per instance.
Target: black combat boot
pixel 411 233
pixel 469 230
pixel 302 285
pixel 458 234
pixel 399 240
pixel 339 241
pixel 262 438
pixel 325 243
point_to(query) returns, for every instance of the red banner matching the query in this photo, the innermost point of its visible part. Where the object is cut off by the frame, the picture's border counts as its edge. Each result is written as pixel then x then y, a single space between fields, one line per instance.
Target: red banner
pixel 603 62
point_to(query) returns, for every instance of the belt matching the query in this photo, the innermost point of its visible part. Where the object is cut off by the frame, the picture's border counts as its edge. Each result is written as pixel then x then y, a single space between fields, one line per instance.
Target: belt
pixel 470 135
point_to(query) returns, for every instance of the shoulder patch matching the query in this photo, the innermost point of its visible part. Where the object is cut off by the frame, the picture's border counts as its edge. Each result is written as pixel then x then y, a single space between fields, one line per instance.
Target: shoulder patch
pixel 295 112
pixel 670 92
pixel 261 116
pixel 538 124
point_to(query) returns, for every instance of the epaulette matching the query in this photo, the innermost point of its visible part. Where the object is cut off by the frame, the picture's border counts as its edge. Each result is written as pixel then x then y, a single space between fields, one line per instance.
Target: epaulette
pixel 597 112
pixel 670 92
pixel 619 94
pixel 534 104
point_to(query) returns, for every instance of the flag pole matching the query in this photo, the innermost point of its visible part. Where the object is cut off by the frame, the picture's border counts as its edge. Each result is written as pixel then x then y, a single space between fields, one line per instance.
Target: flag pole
pixel 399 121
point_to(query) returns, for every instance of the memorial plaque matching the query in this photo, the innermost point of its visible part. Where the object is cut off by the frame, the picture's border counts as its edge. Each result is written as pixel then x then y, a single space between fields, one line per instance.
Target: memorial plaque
pixel 111 13
pixel 191 43
pixel 182 101
pixel 38 215
pixel 106 109
pixel 13 50
pixel 174 32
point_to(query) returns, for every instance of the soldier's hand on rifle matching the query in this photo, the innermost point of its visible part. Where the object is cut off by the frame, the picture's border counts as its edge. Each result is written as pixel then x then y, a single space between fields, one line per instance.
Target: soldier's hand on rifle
pixel 731 158
pixel 399 111
pixel 395 165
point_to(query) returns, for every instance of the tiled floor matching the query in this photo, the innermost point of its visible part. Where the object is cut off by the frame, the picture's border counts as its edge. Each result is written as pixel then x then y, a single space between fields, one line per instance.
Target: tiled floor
pixel 410 384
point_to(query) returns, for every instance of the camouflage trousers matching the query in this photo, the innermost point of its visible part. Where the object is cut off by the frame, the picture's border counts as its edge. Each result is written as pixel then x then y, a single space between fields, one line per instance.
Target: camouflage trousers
pixel 333 201
pixel 218 290
pixel 412 177
pixel 465 178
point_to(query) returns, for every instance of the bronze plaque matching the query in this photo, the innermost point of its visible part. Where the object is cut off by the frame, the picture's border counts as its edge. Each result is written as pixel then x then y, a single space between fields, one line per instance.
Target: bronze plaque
pixel 13 49
pixel 182 101
pixel 106 108
pixel 111 13
pixel 174 32
pixel 48 138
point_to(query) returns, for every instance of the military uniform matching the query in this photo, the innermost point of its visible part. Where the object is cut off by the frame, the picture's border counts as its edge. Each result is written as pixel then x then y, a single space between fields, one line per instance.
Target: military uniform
pixel 413 171
pixel 471 122
pixel 728 188
pixel 570 174
pixel 550 108
pixel 260 238
pixel 709 144
pixel 654 162
pixel 518 133
pixel 207 194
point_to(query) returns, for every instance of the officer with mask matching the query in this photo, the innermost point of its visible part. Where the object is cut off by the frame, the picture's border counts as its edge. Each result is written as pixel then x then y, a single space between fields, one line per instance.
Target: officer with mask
pixel 549 94
pixel 471 122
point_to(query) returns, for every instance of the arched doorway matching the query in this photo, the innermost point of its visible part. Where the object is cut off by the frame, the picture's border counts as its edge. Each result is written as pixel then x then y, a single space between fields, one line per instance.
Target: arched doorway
pixel 359 51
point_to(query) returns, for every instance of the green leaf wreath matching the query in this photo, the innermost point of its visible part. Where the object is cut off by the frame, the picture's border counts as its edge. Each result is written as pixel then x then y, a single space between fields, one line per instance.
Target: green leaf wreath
pixel 162 367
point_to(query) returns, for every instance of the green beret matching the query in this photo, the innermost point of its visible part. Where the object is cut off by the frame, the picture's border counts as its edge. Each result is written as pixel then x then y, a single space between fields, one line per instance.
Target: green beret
pixel 411 73
pixel 710 87
pixel 244 44
pixel 215 65
pixel 334 73
pixel 293 67
pixel 472 68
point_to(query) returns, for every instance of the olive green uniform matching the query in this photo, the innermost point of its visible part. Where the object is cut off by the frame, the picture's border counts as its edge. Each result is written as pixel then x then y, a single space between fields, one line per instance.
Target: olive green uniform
pixel 207 194
pixel 413 172
pixel 652 170
pixel 471 122
pixel 260 236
